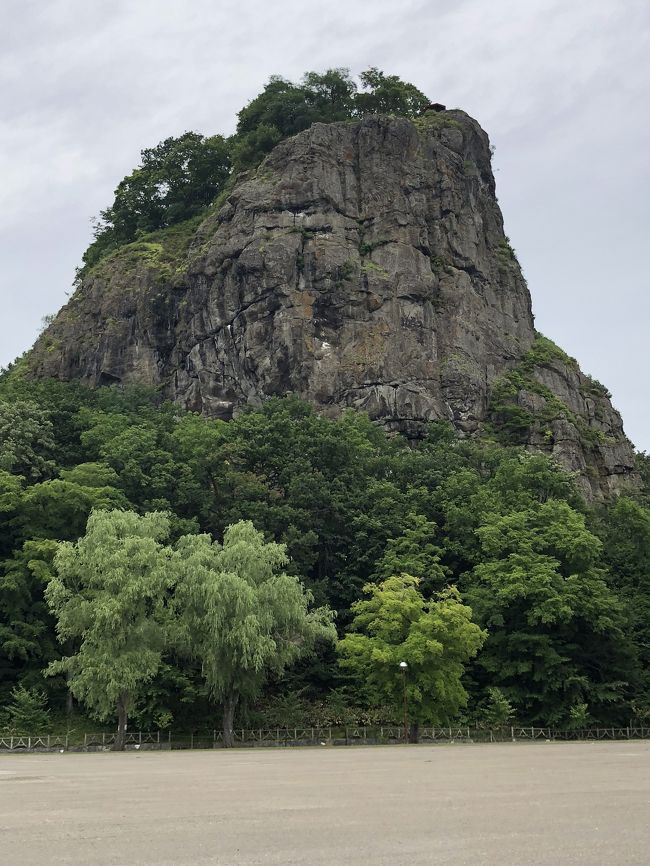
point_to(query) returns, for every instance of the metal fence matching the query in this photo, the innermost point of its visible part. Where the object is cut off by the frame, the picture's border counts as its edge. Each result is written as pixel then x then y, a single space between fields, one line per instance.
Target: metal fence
pixel 309 736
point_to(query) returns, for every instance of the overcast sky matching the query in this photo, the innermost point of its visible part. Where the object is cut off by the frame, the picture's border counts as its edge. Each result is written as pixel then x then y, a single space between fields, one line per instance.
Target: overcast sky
pixel 562 88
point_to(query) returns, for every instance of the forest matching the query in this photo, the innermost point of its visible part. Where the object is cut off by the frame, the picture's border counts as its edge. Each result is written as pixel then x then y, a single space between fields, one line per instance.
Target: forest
pixel 276 568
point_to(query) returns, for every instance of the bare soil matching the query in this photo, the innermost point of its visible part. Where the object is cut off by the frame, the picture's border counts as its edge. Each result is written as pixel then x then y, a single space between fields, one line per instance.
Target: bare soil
pixel 541 804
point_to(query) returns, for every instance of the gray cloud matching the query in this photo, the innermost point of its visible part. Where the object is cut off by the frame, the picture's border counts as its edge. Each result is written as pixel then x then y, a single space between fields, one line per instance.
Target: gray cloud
pixel 561 88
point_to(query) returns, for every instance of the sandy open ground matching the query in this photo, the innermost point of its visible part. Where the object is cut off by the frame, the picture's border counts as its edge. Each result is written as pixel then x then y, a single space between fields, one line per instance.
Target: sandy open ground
pixel 504 805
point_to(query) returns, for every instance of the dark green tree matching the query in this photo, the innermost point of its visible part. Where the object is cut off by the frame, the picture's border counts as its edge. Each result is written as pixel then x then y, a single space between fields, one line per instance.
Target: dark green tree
pixel 556 630
pixel 26 440
pixel 415 553
pixel 388 94
pixel 27 640
pixel 625 530
pixel 175 180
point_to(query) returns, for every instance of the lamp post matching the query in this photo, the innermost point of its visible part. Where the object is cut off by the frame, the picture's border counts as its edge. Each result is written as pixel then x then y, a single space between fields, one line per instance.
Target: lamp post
pixel 403 666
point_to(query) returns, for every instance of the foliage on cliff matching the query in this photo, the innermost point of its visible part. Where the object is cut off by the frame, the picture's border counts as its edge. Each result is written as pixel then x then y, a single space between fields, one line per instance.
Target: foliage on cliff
pixel 284 108
pixel 180 177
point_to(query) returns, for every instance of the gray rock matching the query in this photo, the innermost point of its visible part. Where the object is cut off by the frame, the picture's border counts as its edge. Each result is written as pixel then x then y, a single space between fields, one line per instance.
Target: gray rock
pixel 363 264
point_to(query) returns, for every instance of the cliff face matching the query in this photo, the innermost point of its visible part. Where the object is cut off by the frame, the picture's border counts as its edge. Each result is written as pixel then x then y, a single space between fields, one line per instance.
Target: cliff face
pixel 363 264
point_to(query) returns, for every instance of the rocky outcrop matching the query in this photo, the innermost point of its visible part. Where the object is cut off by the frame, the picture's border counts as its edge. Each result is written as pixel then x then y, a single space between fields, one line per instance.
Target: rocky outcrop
pixel 547 404
pixel 363 264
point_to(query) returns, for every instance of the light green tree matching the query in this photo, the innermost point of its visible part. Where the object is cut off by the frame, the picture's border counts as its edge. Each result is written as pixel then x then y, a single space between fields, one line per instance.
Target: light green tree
pixel 240 616
pixel 435 638
pixel 109 596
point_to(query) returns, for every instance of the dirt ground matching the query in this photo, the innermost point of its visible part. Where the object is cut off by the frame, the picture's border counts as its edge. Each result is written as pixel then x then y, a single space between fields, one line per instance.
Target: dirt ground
pixel 503 805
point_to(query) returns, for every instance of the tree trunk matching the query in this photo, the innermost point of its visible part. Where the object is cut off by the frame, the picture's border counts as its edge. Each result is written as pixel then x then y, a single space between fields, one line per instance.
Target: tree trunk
pixel 69 698
pixel 122 720
pixel 414 732
pixel 69 703
pixel 229 705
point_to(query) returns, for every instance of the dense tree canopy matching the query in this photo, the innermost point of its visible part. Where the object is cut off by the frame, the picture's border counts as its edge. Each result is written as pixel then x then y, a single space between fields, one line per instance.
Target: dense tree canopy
pixel 556 631
pixel 560 588
pixel 283 108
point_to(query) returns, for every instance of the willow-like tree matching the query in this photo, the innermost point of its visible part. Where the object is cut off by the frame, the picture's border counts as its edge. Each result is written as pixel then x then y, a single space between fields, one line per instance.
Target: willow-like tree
pixel 109 595
pixel 240 616
pixel 435 638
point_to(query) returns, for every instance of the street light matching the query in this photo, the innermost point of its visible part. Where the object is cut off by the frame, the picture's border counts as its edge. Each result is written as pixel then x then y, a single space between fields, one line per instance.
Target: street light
pixel 403 666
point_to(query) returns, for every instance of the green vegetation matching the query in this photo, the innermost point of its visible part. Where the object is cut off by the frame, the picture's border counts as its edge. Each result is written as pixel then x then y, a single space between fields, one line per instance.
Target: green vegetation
pixel 434 638
pixel 477 562
pixel 369 267
pixel 538 576
pixel 28 710
pixel 241 619
pixel 175 180
pixel 108 594
pixel 178 179
pixel 284 108
pixel 513 422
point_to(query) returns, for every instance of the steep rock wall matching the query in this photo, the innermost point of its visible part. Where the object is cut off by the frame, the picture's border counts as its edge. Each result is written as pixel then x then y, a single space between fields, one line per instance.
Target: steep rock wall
pixel 363 264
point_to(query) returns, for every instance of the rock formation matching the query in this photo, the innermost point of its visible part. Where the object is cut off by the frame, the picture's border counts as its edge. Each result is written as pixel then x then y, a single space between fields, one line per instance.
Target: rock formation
pixel 362 264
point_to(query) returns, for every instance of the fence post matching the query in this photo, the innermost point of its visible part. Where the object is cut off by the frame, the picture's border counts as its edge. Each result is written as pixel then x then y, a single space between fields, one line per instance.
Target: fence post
pixel 140 737
pixel 192 740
